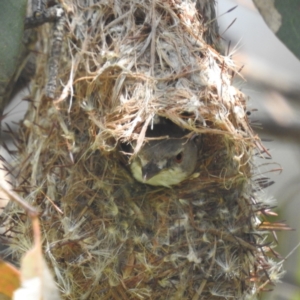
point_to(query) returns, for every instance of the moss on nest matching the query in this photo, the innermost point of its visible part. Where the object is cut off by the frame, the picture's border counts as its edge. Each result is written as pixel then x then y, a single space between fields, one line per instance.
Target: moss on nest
pixel 107 236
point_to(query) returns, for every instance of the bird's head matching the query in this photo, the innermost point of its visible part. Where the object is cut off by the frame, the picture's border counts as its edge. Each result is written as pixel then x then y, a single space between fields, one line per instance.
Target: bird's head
pixel 165 162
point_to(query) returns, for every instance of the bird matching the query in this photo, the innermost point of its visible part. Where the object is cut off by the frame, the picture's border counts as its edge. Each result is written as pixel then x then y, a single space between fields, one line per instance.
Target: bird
pixel 166 161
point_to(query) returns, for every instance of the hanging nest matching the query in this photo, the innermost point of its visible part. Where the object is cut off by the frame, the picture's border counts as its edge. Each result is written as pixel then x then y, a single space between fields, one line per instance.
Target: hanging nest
pixel 122 66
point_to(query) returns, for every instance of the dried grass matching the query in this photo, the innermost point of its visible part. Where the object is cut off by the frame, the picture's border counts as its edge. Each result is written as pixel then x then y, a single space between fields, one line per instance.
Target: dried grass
pixel 123 64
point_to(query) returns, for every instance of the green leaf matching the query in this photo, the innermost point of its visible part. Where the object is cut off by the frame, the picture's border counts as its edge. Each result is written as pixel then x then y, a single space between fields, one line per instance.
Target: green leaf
pixel 12 14
pixel 283 18
pixel 289 32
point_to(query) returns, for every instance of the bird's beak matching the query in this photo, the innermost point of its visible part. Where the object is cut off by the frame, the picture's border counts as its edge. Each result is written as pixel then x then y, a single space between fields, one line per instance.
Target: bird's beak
pixel 149 171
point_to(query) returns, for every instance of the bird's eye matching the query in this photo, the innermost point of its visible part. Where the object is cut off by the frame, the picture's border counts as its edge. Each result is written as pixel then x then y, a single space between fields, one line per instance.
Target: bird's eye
pixel 178 157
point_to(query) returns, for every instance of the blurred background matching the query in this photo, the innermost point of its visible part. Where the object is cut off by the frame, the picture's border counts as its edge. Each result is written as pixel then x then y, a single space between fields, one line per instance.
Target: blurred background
pixel 271 80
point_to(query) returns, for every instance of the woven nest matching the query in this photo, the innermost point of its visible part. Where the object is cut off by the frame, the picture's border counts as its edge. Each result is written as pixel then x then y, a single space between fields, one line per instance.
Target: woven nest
pixel 123 65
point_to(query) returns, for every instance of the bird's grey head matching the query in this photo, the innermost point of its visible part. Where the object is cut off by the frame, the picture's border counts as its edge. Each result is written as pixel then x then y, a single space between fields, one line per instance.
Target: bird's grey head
pixel 165 162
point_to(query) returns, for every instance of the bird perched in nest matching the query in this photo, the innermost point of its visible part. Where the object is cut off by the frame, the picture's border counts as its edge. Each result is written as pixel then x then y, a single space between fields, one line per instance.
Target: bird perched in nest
pixel 167 161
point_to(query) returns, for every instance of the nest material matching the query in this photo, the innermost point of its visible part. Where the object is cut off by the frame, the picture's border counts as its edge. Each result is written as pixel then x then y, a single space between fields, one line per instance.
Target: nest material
pixel 107 236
